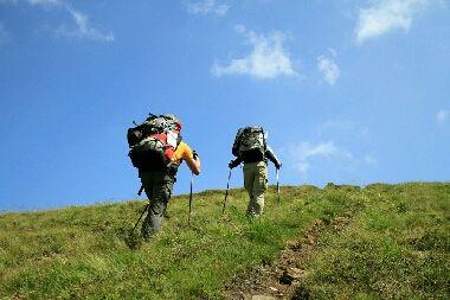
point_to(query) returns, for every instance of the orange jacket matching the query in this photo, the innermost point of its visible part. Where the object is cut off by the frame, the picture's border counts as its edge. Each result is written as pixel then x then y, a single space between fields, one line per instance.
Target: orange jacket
pixel 184 152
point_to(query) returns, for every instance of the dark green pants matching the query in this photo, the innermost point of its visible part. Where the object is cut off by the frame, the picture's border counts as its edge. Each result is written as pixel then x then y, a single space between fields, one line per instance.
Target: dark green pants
pixel 158 187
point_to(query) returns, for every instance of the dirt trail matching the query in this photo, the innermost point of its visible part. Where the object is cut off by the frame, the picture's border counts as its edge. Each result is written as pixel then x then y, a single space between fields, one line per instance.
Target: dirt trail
pixel 283 279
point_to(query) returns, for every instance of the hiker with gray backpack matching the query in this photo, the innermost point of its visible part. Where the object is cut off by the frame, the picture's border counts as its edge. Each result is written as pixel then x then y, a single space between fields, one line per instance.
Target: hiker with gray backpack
pixel 157 150
pixel 250 147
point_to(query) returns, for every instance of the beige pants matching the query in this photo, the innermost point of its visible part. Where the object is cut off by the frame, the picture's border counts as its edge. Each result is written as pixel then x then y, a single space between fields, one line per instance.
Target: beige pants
pixel 255 182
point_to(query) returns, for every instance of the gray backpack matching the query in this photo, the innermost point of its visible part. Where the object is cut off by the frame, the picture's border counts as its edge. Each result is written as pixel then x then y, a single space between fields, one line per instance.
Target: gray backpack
pixel 249 139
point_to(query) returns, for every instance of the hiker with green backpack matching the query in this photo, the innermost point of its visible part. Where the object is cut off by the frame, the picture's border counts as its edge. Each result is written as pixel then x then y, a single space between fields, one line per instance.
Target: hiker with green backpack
pixel 157 150
pixel 250 147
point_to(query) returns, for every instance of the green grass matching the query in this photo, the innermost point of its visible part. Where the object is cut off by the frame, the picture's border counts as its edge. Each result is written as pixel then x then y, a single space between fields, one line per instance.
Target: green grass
pixel 397 245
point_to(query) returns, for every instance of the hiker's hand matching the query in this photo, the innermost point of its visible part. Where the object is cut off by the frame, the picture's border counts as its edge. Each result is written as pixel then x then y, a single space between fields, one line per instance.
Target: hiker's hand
pixel 232 164
pixel 195 155
pixel 278 165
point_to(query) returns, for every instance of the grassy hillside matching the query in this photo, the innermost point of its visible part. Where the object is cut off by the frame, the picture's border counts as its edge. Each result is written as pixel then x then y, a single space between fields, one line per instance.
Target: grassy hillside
pixel 395 244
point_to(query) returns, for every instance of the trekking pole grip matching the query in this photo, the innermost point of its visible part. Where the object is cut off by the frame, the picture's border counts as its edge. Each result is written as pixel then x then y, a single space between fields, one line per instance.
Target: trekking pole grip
pixel 140 190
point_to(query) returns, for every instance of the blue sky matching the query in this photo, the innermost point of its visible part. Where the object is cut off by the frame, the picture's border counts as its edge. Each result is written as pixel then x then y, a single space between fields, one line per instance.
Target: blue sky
pixel 350 91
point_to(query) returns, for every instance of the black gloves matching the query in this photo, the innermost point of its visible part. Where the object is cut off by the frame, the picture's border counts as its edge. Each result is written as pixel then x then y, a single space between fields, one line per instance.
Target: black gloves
pixel 233 164
pixel 278 165
pixel 195 155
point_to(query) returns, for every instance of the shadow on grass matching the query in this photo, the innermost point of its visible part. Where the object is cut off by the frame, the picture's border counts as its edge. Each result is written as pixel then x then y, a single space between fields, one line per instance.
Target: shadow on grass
pixel 133 240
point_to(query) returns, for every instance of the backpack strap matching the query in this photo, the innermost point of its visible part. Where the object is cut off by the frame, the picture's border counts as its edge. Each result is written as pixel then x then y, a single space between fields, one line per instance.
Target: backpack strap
pixel 264 139
pixel 237 141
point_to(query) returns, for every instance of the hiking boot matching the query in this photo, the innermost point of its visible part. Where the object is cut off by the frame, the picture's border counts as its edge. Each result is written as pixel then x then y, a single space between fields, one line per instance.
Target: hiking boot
pixel 251 215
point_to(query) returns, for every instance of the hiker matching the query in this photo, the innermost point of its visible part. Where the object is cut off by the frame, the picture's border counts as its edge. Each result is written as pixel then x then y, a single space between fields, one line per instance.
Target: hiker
pixel 157 152
pixel 251 148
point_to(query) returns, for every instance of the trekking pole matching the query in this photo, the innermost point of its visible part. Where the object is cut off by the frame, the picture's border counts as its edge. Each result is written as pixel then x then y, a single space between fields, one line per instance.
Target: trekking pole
pixel 226 192
pixel 190 198
pixel 140 190
pixel 278 185
pixel 142 214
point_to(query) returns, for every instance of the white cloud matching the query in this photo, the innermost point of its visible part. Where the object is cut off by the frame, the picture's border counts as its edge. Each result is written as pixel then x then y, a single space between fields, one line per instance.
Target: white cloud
pixel 370 159
pixel 328 67
pixel 343 128
pixel 83 28
pixel 341 148
pixel 443 116
pixel 302 154
pixel 267 60
pixel 45 2
pixel 206 7
pixel 383 16
pixel 34 2
pixel 8 1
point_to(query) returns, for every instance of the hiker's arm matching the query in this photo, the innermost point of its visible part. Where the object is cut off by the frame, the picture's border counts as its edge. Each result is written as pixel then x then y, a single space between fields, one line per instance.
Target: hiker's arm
pixel 193 161
pixel 272 157
pixel 235 163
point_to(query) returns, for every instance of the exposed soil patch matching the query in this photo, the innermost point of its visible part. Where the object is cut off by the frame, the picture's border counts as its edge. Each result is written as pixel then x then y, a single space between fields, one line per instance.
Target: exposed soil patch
pixel 283 279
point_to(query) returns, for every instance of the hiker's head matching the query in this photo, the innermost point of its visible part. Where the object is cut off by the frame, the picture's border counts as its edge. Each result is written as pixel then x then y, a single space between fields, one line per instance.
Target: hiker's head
pixel 177 121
